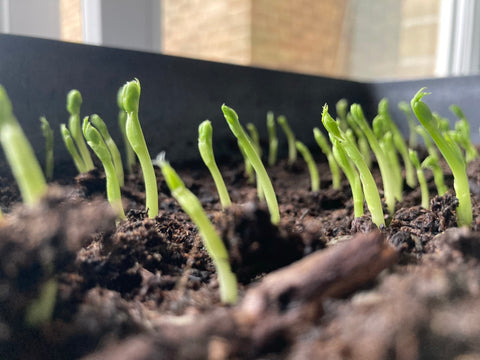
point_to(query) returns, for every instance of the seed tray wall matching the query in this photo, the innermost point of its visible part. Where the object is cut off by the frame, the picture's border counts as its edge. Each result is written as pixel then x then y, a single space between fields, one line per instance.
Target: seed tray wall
pixel 179 93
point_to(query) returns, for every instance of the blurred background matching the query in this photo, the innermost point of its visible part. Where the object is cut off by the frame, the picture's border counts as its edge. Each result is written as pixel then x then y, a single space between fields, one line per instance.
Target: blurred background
pixel 355 39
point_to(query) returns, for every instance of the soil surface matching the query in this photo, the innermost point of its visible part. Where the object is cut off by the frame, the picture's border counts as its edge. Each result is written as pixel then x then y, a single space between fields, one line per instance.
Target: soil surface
pixel 321 285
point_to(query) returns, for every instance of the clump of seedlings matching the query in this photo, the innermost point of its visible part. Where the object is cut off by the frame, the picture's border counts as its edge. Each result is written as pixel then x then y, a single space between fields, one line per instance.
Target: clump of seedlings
pixel 452 154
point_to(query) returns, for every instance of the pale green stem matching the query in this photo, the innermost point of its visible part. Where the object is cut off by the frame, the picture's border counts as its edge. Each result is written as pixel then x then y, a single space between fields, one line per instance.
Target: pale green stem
pixel 48 135
pixel 312 167
pixel 74 101
pixel 272 139
pixel 131 97
pixel 112 147
pixel 213 243
pixel 262 176
pixel 292 149
pixel 332 164
pixel 72 149
pixel 19 153
pixel 205 148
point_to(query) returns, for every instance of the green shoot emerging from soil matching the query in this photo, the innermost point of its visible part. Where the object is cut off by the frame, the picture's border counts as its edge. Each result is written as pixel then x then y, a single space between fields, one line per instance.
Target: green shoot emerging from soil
pixel 340 138
pixel 131 98
pixel 212 241
pixel 255 137
pixel 272 139
pixel 206 152
pixel 421 178
pixel 312 167
pixel 72 149
pixel 19 154
pixel 292 149
pixel 362 141
pixel 262 176
pixel 383 162
pixel 74 101
pixel 99 146
pixel 122 120
pixel 98 123
pixel 341 108
pixel 351 175
pixel 48 135
pixel 451 154
pixel 325 147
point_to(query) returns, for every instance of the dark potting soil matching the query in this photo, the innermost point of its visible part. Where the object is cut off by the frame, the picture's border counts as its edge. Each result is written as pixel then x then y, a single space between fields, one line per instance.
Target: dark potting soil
pixel 321 285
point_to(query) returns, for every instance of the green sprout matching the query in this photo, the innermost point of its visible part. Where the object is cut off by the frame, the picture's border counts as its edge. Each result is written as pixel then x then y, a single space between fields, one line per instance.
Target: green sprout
pixel 122 120
pixel 292 149
pixel 272 139
pixel 19 153
pixel 462 129
pixel 249 171
pixel 350 173
pixel 399 142
pixel 131 99
pixel 262 176
pixel 256 142
pixel 412 139
pixel 206 152
pixel 383 162
pixel 48 135
pixel 432 161
pixel 74 101
pixel 325 147
pixel 212 241
pixel 455 161
pixel 98 144
pixel 41 309
pixel 99 124
pixel 341 139
pixel 312 167
pixel 72 149
pixel 421 178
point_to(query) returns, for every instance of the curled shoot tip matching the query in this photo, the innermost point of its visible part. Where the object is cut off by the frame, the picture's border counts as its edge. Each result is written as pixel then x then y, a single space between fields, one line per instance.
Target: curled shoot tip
pixel 131 95
pixel 74 102
pixel 455 109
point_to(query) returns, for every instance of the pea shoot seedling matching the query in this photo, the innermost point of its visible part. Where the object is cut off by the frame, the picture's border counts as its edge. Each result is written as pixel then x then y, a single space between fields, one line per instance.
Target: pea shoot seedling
pixel 325 147
pixel 292 149
pixel 213 243
pixel 131 98
pixel 272 139
pixel 74 102
pixel 19 153
pixel 205 148
pixel 421 178
pixel 48 135
pixel 262 176
pixel 99 146
pixel 312 167
pixel 122 120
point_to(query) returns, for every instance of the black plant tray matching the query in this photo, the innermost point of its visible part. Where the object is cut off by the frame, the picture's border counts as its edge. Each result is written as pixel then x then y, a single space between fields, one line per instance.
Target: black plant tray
pixel 179 93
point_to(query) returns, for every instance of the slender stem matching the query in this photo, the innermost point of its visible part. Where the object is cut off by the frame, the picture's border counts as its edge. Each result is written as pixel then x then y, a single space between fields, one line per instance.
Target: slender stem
pixel 213 243
pixel 272 139
pixel 262 176
pixel 312 167
pixel 131 97
pixel 292 149
pixel 205 148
